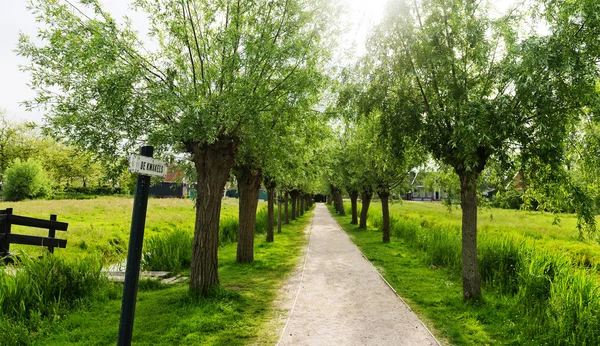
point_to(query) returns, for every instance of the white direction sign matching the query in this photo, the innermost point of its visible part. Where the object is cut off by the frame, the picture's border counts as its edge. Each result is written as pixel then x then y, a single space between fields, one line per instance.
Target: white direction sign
pixel 145 165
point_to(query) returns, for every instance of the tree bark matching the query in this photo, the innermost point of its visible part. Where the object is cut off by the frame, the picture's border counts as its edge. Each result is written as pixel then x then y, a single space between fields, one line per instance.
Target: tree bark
pixel 468 202
pixel 353 198
pixel 279 213
pixel 329 199
pixel 302 204
pixel 213 163
pixel 286 200
pixel 294 198
pixel 385 211
pixel 249 186
pixel 364 210
pixel 340 203
pixel 270 211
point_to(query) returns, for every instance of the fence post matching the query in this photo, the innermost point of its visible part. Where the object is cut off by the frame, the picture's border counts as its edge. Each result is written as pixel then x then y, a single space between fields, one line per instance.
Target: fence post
pixel 5 231
pixel 51 233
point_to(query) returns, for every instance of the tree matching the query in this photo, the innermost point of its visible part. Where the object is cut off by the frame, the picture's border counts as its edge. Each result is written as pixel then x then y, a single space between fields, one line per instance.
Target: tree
pixel 221 72
pixel 25 180
pixel 17 141
pixel 470 88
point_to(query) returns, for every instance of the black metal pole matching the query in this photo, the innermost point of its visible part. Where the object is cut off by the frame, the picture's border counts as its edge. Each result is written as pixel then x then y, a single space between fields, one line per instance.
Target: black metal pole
pixel 134 254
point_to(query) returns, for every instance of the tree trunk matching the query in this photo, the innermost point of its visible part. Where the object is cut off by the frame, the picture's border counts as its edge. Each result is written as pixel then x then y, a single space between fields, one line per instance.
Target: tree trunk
pixel 353 198
pixel 279 213
pixel 364 211
pixel 340 203
pixel 286 200
pixel 213 163
pixel 294 198
pixel 270 211
pixel 470 270
pixel 249 186
pixel 385 211
pixel 302 205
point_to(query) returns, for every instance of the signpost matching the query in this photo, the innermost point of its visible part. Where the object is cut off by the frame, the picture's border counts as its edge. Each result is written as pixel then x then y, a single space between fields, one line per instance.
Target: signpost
pixel 145 166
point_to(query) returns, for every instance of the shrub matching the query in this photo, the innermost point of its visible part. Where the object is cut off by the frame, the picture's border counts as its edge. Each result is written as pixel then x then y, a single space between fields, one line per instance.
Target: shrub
pixel 508 199
pixel 24 180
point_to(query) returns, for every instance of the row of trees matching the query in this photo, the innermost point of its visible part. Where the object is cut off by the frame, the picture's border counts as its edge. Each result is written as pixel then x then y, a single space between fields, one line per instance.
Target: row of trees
pixel 232 85
pixel 443 78
pixel 237 87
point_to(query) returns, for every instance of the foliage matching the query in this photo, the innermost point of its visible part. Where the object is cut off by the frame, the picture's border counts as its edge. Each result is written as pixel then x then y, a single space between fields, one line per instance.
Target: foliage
pixel 224 74
pixel 508 199
pixel 16 142
pixel 24 180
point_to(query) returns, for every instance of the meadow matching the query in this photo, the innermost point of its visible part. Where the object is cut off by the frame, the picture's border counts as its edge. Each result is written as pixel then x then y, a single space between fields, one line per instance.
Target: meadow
pixel 35 309
pixel 537 287
pixel 556 233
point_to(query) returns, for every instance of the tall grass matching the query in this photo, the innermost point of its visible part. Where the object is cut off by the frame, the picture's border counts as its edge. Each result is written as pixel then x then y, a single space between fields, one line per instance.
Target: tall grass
pixel 172 251
pixel 560 298
pixel 34 292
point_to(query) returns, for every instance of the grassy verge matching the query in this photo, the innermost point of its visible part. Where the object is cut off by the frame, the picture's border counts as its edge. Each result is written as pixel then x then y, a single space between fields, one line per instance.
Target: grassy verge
pixel 531 297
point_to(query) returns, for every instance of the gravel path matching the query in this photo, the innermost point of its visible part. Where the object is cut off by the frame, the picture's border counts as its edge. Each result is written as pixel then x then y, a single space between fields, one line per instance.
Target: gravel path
pixel 341 299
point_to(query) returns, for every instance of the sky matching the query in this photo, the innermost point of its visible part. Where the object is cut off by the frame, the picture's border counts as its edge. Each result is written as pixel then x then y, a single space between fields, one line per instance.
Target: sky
pixel 14 18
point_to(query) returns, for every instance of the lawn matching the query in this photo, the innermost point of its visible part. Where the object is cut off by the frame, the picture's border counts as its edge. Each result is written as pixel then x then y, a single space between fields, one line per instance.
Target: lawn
pixel 241 313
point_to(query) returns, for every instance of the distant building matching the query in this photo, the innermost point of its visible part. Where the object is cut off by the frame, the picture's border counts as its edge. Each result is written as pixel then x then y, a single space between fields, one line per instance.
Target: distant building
pixel 418 192
pixel 173 186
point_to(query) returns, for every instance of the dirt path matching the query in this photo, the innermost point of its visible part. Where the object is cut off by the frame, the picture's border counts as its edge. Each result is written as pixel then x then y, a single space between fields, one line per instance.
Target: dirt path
pixel 342 300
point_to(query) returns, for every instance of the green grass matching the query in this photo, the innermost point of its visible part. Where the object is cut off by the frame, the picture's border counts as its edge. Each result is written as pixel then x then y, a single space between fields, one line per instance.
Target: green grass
pixel 242 312
pixel 543 230
pixel 532 296
pixel 101 226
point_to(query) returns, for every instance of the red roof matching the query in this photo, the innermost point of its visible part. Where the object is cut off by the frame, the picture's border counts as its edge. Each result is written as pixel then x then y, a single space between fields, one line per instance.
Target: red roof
pixel 174 175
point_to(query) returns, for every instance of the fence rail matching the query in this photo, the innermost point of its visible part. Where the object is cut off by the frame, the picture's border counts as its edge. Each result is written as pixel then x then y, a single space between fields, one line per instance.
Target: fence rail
pixel 8 219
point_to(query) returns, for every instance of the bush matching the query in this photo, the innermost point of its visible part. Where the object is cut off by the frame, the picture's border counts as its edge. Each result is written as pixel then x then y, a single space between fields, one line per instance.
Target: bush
pixel 24 180
pixel 509 199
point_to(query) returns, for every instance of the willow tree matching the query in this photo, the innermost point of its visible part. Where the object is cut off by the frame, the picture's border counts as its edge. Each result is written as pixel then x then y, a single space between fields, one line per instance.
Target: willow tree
pixel 471 88
pixel 271 159
pixel 219 71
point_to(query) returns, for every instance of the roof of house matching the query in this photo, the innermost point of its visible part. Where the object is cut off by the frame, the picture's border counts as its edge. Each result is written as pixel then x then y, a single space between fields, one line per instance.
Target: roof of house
pixel 174 175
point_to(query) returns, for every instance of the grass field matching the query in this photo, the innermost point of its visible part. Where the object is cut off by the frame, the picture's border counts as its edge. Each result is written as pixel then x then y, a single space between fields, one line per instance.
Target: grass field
pixel 541 229
pixel 102 225
pixel 241 313
pixel 536 291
